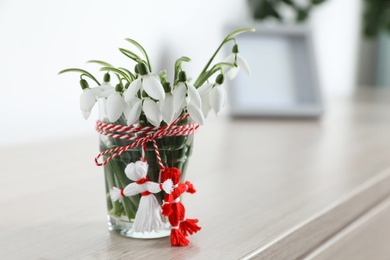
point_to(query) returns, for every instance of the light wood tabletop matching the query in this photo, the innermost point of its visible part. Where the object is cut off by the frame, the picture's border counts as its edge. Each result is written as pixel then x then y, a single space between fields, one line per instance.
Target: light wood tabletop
pixel 267 189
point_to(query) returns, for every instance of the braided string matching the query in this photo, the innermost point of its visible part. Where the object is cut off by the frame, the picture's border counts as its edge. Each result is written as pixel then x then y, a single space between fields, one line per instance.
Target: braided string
pixel 147 133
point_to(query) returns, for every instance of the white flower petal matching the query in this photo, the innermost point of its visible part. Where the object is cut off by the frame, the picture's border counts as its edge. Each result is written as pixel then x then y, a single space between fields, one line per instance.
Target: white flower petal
pixel 232 73
pixel 87 101
pixel 205 89
pixel 206 107
pixel 134 113
pixel 132 90
pixel 242 64
pixel 152 112
pixel 103 87
pixel 229 59
pixel 133 101
pixel 179 94
pixel 176 115
pixel 114 106
pixel 106 93
pixel 217 98
pixel 194 96
pixel 85 114
pixel 126 108
pixel 167 110
pixel 195 114
pixel 152 86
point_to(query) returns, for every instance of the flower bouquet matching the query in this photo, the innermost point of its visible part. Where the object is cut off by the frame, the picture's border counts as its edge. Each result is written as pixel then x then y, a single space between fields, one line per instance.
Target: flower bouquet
pixel 146 126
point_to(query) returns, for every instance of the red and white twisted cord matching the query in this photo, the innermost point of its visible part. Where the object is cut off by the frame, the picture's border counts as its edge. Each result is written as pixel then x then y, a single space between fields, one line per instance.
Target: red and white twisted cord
pixel 147 133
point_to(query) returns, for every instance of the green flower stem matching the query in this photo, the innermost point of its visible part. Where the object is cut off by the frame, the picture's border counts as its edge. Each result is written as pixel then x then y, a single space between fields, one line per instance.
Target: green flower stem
pixel 119 72
pixel 217 67
pixel 197 82
pixel 230 37
pixel 86 73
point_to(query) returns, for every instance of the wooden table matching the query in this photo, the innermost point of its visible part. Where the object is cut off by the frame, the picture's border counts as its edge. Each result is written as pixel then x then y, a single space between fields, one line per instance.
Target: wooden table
pixel 269 189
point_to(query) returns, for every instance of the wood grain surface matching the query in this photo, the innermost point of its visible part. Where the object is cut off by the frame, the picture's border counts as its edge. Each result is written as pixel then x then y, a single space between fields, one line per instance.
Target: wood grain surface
pixel 267 188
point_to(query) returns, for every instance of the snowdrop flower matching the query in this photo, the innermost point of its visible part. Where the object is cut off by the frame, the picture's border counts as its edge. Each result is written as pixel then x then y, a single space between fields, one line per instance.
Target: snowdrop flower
pixel 213 96
pixel 204 92
pixel 150 108
pixel 89 96
pixel 87 99
pixel 238 61
pixel 105 88
pixel 150 83
pixel 186 94
pixel 114 104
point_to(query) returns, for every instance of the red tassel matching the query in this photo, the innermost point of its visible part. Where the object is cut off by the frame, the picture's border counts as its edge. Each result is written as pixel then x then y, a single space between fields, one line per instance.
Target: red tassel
pixel 166 209
pixel 189 226
pixel 190 187
pixel 178 239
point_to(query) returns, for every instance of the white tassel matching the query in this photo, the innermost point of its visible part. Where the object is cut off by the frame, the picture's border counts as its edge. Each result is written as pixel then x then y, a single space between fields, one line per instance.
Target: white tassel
pixel 167 186
pixel 115 194
pixel 148 217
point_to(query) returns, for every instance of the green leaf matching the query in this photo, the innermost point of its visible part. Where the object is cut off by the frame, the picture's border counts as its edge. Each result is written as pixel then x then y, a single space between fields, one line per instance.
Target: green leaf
pixel 117 71
pixel 131 75
pixel 207 74
pixel 131 55
pixel 84 72
pixel 237 32
pixel 136 44
pixel 103 63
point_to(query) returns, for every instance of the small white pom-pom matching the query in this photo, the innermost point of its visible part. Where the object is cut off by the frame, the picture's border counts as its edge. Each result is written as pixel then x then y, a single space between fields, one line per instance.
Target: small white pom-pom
pixel 115 194
pixel 167 186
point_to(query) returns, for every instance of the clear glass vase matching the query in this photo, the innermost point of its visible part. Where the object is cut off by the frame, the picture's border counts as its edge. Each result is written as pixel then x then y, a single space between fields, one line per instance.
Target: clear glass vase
pixel 174 152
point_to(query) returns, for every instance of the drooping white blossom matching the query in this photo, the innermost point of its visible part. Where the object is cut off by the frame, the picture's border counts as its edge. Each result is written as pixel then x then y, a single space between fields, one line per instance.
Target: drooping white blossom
pixel 186 95
pixel 167 109
pixel 150 83
pixel 152 112
pixel 213 96
pixel 217 98
pixel 87 101
pixel 134 112
pixel 239 62
pixel 103 90
pixel 114 106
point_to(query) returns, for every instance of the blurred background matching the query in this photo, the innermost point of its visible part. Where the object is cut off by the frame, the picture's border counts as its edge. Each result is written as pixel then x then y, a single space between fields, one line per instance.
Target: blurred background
pixel 40 38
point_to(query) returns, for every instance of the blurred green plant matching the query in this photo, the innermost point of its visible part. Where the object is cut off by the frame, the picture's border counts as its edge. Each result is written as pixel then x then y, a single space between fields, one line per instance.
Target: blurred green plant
pixel 265 9
pixel 376 17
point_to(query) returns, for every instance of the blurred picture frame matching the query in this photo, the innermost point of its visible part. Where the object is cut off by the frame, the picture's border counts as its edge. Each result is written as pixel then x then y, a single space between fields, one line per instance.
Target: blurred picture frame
pixel 283 80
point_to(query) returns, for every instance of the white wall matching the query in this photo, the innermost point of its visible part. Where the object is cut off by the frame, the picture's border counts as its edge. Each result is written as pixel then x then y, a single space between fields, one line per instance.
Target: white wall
pixel 336 33
pixel 39 38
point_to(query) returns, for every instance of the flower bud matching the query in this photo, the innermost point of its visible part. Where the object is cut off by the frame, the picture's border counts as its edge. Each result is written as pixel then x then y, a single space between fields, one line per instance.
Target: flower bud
pixel 84 84
pixel 127 85
pixel 136 69
pixel 182 76
pixel 143 70
pixel 118 88
pixel 167 87
pixel 235 48
pixel 107 77
pixel 219 80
